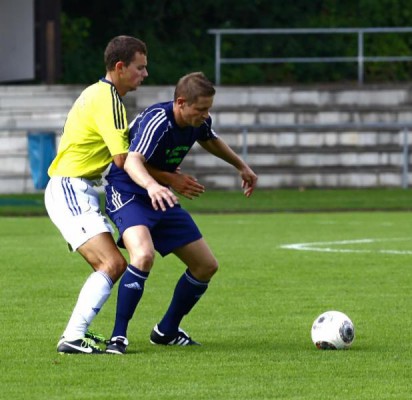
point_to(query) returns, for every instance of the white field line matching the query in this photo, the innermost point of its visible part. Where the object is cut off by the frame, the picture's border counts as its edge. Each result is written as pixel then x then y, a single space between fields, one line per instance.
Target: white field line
pixel 321 246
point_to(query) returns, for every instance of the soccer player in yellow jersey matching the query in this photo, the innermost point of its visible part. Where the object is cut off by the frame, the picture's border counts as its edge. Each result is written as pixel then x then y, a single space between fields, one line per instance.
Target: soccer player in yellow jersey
pixel 94 135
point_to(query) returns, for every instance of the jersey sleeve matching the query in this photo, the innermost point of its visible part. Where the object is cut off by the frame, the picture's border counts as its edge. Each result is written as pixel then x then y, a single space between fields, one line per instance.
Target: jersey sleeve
pixel 148 131
pixel 111 121
pixel 207 132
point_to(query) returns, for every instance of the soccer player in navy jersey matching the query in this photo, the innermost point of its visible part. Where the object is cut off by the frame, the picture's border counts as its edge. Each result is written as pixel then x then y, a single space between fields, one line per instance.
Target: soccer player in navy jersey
pixel 160 138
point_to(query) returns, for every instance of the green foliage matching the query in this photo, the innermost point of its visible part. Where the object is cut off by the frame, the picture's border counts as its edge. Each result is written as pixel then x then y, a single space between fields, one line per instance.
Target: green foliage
pixel 178 42
pixel 80 58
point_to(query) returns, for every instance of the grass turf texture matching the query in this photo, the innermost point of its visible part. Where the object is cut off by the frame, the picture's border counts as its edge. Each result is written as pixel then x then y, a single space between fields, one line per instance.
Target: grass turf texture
pixel 283 200
pixel 254 322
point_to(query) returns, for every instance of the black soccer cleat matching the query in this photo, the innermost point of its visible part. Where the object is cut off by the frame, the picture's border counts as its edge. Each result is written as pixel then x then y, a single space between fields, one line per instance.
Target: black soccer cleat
pixel 78 346
pixel 117 345
pixel 179 339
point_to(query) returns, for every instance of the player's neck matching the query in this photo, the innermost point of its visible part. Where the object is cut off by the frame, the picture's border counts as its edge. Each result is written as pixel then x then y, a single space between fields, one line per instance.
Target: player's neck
pixel 178 118
pixel 109 77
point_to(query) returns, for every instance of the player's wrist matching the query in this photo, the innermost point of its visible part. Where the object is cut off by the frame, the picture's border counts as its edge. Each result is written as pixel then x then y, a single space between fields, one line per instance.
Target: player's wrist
pixel 150 183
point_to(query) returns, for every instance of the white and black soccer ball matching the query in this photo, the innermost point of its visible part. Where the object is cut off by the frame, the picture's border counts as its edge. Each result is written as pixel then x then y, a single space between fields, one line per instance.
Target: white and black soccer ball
pixel 333 330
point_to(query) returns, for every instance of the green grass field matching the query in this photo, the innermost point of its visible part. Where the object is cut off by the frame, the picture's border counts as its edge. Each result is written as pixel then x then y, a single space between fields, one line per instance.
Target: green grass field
pixel 282 200
pixel 254 322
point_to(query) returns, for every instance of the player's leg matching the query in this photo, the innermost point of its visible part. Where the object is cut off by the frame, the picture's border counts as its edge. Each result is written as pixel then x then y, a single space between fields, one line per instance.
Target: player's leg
pixel 199 259
pixel 73 206
pixel 138 242
pixel 108 263
pixel 134 217
pixel 102 253
pixel 201 266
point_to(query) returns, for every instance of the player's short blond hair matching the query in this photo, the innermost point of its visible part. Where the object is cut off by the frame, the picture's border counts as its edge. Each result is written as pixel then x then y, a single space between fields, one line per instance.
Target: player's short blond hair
pixel 192 86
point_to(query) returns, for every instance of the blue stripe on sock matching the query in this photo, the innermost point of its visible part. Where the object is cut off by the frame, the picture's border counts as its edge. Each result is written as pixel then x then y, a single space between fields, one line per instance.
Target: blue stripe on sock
pixel 107 277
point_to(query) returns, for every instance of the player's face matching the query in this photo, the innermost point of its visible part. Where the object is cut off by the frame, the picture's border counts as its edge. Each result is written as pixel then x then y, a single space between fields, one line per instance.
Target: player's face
pixel 134 74
pixel 196 113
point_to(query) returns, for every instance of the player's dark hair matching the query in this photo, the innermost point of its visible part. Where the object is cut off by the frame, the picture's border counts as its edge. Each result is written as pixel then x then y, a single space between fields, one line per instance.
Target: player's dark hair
pixel 192 86
pixel 122 48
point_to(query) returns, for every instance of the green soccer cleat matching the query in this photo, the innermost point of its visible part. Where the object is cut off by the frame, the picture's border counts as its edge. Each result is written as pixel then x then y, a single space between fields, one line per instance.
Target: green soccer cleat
pixel 96 337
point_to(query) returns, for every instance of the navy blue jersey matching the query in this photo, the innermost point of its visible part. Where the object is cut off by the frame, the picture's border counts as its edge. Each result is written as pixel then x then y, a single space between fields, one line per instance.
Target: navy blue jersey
pixel 155 134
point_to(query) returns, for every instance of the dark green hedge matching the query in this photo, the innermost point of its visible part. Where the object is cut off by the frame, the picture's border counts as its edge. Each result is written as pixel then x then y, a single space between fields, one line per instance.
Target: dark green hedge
pixel 178 42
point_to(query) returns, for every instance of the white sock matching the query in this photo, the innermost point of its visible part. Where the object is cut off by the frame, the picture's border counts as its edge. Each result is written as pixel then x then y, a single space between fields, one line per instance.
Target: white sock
pixel 93 295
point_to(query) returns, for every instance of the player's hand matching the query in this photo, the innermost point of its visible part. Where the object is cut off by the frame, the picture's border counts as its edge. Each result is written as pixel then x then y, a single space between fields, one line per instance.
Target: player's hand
pixel 186 185
pixel 249 181
pixel 160 196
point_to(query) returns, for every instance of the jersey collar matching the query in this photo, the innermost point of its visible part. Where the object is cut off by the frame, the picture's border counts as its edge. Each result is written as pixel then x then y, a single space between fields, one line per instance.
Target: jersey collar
pixel 104 80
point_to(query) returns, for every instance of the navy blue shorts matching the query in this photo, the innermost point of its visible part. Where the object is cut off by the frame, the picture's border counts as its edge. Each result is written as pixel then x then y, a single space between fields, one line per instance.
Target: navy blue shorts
pixel 170 229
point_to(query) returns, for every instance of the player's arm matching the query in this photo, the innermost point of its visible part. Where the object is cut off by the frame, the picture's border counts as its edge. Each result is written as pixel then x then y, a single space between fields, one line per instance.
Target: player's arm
pixel 119 160
pixel 184 184
pixel 159 194
pixel 220 149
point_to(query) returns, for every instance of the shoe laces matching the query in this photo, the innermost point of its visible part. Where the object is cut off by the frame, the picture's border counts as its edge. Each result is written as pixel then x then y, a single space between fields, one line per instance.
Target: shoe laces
pixel 87 342
pixel 97 337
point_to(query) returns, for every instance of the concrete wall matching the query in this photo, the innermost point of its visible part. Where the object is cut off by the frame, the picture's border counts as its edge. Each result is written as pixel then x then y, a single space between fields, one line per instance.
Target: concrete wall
pixel 327 136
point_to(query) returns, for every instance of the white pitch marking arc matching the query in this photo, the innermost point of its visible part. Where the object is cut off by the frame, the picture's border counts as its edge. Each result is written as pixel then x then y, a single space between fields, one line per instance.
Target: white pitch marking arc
pixel 317 246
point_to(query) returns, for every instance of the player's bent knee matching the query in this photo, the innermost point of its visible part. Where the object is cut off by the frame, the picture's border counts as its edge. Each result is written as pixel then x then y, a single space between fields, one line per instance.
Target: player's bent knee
pixel 213 268
pixel 143 261
pixel 205 272
pixel 114 267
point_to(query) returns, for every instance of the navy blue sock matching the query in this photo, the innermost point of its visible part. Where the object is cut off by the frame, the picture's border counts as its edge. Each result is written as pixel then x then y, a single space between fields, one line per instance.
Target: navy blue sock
pixel 187 293
pixel 131 288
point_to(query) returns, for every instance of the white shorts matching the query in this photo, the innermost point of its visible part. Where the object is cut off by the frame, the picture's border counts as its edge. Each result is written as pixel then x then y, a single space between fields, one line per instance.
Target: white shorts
pixel 73 206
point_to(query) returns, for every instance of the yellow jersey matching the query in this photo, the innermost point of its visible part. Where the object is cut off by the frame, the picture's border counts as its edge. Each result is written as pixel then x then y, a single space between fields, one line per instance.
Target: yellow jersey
pixel 95 130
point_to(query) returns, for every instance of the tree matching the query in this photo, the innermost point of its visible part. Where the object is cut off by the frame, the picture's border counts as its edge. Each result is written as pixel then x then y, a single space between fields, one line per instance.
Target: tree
pixel 177 39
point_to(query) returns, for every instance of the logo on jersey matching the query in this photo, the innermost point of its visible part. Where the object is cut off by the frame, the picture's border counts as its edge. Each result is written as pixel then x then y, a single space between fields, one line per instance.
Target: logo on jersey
pixel 176 155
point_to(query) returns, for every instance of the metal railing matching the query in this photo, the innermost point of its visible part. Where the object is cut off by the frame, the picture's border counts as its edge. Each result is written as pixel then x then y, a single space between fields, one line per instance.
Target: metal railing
pixel 360 59
pixel 404 129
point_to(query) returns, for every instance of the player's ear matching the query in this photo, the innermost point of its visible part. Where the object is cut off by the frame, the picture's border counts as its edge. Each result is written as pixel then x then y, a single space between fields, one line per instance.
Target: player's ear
pixel 181 101
pixel 119 66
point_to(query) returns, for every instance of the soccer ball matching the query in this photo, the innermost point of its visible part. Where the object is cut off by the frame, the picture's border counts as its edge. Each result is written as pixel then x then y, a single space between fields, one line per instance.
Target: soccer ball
pixel 333 330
